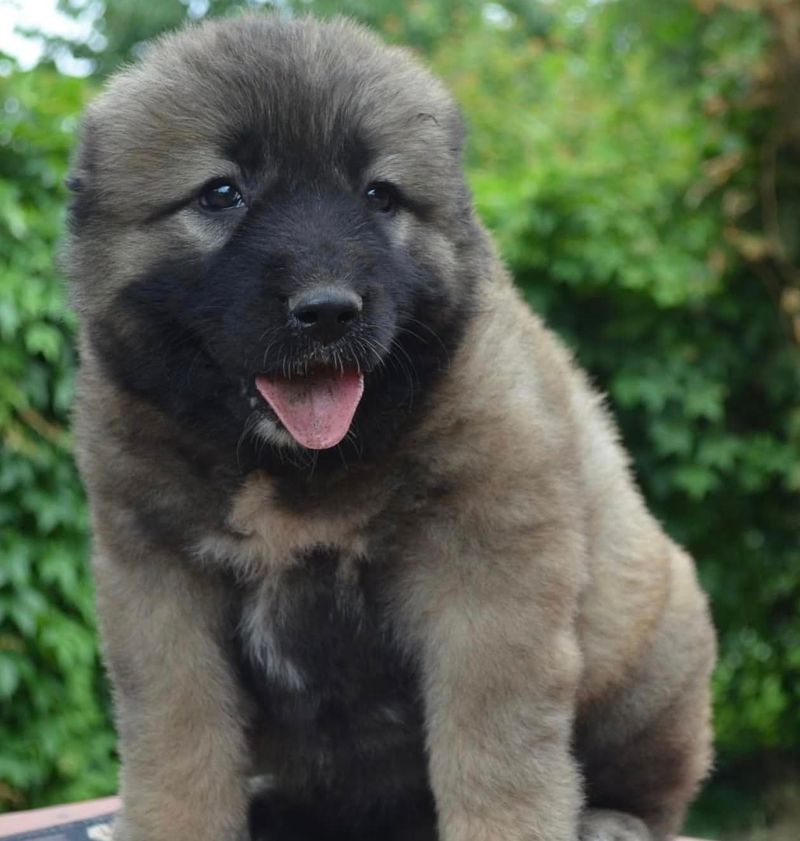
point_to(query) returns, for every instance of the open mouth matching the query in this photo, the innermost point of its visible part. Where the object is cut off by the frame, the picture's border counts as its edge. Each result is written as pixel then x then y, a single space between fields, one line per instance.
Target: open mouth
pixel 316 408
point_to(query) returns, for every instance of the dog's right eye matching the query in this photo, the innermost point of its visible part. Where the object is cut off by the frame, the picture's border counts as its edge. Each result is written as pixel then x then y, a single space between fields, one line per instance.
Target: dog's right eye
pixel 220 195
pixel 382 196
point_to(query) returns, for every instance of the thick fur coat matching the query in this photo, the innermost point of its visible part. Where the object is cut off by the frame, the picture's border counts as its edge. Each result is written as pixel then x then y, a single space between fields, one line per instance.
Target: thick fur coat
pixel 458 621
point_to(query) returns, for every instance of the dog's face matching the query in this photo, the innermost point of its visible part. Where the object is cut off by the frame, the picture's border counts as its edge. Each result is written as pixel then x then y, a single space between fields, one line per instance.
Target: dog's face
pixel 271 234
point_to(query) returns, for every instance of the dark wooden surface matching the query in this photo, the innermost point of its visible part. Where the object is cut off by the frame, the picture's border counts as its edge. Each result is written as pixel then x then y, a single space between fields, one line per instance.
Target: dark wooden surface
pixel 16 823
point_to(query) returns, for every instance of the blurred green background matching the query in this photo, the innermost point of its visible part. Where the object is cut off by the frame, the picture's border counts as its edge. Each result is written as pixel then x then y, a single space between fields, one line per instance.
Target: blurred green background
pixel 639 163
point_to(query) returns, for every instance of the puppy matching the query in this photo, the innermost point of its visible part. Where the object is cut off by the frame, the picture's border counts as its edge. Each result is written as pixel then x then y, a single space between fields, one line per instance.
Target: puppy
pixel 363 532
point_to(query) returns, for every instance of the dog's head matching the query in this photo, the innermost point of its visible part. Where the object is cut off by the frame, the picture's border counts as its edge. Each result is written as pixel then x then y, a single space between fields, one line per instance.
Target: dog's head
pixel 271 233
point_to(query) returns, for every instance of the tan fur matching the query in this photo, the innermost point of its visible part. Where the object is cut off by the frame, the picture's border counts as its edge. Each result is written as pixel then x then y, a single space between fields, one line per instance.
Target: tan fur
pixel 545 605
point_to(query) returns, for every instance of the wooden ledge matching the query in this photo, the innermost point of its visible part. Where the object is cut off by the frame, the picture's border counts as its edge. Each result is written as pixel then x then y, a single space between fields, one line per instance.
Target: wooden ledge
pixel 15 823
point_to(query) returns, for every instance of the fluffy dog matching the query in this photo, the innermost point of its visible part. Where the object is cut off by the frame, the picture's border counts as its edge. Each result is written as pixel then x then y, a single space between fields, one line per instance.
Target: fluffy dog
pixel 363 533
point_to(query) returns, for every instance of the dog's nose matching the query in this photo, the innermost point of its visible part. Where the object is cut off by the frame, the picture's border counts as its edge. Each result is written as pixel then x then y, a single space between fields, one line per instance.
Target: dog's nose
pixel 325 314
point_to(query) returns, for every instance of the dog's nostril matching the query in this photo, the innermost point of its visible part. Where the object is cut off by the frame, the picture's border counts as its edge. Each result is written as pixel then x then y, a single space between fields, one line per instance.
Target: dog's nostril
pixel 306 316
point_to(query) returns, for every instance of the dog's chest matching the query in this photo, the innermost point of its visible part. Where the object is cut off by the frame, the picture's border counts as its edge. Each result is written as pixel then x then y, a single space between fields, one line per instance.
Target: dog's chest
pixel 336 697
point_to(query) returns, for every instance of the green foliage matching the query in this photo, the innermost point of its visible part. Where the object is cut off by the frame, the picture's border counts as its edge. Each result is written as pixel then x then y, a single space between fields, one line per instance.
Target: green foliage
pixel 637 161
pixel 54 728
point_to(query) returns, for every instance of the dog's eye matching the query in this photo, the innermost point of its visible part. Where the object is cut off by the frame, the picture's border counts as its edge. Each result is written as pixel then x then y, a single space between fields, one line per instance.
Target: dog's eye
pixel 382 196
pixel 220 195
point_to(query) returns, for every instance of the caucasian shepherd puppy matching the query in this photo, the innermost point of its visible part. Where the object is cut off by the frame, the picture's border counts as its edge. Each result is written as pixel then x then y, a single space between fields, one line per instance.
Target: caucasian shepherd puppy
pixel 370 562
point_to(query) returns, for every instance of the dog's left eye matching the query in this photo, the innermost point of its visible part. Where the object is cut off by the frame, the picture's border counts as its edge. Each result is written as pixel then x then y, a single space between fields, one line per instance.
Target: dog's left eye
pixel 221 195
pixel 382 196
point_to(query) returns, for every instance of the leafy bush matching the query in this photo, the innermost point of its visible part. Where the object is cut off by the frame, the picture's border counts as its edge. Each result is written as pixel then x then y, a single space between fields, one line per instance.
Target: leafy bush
pixel 55 733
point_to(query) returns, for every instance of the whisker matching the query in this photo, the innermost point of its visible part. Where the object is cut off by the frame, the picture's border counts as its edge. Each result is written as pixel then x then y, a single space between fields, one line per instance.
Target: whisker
pixel 314 460
pixel 249 425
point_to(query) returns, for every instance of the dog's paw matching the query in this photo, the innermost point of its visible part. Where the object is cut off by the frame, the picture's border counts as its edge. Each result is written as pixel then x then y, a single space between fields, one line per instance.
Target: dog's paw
pixel 606 825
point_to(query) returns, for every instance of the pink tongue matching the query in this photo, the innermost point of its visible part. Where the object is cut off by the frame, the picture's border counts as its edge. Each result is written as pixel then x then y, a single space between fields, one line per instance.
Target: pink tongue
pixel 317 409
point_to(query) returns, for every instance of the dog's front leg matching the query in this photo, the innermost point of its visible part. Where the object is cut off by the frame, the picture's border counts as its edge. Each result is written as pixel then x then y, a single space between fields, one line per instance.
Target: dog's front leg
pixel 501 664
pixel 178 712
